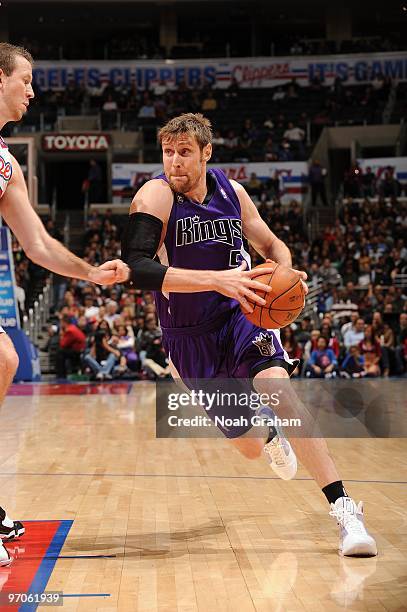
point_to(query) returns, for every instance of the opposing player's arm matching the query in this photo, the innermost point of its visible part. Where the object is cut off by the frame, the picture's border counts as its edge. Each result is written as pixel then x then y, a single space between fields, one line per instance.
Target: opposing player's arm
pixel 38 245
pixel 144 234
pixel 258 233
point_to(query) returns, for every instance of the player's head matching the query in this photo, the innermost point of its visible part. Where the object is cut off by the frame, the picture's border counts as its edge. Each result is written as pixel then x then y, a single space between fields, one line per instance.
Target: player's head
pixel 15 82
pixel 186 143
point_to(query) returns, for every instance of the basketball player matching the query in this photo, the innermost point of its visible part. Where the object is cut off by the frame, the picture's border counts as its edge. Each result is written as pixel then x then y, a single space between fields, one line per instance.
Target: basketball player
pixel 192 218
pixel 15 94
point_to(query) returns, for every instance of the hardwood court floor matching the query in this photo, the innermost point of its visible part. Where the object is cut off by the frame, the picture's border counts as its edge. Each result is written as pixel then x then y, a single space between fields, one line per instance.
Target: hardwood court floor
pixel 190 524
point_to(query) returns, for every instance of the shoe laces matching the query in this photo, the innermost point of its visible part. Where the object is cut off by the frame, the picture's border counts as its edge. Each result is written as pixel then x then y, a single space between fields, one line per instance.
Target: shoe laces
pixel 348 519
pixel 276 450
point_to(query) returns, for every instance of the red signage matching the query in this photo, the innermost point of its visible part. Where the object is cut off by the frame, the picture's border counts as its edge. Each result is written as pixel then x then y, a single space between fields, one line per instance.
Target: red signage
pixel 75 142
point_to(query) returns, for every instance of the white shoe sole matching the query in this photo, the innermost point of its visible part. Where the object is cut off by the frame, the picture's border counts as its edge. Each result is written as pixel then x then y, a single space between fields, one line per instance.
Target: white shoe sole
pixel 360 549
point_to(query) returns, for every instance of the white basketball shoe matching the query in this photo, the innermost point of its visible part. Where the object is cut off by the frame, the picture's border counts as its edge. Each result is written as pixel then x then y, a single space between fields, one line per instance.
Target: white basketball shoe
pixel 354 540
pixel 10 530
pixel 279 451
pixel 5 558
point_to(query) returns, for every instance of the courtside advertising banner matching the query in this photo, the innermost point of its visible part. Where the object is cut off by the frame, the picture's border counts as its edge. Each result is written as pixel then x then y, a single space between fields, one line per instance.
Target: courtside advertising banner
pixel 293 177
pixel 252 72
pixel 9 314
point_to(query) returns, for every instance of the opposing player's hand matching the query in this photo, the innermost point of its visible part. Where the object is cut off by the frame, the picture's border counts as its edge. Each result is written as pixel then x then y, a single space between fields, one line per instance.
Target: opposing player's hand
pixel 110 273
pixel 239 284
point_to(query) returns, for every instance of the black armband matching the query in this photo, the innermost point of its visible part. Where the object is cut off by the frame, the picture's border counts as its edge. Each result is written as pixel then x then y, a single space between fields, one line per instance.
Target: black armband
pixel 140 241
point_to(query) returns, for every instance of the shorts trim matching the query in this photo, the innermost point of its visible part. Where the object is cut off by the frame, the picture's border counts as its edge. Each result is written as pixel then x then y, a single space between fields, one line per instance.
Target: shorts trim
pixel 275 363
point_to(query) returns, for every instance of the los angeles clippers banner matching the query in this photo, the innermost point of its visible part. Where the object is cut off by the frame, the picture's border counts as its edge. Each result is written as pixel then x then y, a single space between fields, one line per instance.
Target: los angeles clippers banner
pixel 252 72
pixel 380 165
pixel 9 314
pixel 293 177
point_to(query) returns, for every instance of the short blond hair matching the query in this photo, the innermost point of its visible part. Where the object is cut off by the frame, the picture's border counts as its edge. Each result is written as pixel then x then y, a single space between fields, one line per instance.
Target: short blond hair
pixel 194 124
pixel 8 55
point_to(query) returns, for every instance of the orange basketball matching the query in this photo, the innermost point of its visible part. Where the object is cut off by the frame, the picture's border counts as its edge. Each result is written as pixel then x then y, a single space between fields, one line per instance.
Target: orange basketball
pixel 284 302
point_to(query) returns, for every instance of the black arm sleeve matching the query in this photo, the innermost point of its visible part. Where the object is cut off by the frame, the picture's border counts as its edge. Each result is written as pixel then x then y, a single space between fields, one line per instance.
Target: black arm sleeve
pixel 140 241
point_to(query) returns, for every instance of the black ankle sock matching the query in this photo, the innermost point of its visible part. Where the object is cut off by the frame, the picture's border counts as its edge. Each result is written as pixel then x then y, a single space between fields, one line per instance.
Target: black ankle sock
pixel 272 434
pixel 2 515
pixel 334 491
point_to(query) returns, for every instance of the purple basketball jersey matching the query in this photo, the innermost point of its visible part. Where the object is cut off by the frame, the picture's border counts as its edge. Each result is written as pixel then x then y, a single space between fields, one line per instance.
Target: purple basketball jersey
pixel 201 237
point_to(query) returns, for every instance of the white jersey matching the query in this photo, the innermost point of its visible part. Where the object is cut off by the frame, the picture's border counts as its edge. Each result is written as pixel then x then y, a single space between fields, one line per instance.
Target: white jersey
pixel 6 169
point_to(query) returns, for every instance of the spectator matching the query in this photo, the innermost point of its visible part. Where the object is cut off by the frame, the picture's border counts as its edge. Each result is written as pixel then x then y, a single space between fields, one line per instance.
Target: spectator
pixel 328 273
pixel 71 344
pixel 147 110
pixel 311 345
pixel 285 153
pixel 278 95
pixel 209 103
pixel 316 177
pixel 291 346
pixel 126 346
pixel 111 313
pixel 102 356
pixel 95 182
pixel 231 140
pixel 233 90
pixel 254 185
pixel 354 335
pixel 322 363
pixel 160 88
pixel 353 366
pixel 368 183
pixel 304 333
pixel 110 105
pixel 371 351
pixel 401 345
pixel 351 324
pixel 295 135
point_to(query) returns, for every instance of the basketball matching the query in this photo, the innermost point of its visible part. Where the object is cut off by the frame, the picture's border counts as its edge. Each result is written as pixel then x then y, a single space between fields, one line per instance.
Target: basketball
pixel 284 302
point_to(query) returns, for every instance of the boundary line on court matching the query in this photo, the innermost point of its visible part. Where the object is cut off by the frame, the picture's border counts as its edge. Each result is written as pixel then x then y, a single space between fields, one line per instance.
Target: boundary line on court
pixel 110 475
pixel 47 565
pixel 86 595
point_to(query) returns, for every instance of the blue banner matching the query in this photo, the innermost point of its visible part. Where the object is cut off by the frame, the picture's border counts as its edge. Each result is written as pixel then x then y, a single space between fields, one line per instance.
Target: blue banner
pixel 219 73
pixel 9 314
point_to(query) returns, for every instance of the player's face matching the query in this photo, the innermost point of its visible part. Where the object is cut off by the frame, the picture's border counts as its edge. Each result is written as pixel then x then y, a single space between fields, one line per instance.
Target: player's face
pixel 184 162
pixel 16 89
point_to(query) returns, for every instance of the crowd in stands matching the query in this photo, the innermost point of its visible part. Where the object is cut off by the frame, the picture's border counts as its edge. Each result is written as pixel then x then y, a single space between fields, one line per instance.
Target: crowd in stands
pixel 280 125
pixel 362 311
pixel 108 332
pixel 364 183
pixel 147 47
pixel 359 327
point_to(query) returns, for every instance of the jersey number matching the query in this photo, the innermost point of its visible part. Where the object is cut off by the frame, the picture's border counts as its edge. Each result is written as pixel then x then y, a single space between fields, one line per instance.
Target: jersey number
pixel 235 258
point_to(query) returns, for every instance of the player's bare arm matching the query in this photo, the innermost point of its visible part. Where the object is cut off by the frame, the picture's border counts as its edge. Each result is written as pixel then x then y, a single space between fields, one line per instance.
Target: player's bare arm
pixel 152 206
pixel 38 245
pixel 260 235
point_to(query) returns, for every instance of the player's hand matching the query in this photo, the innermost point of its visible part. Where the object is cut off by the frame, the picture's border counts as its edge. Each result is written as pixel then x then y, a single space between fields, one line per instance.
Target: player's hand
pixel 110 273
pixel 303 276
pixel 239 284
